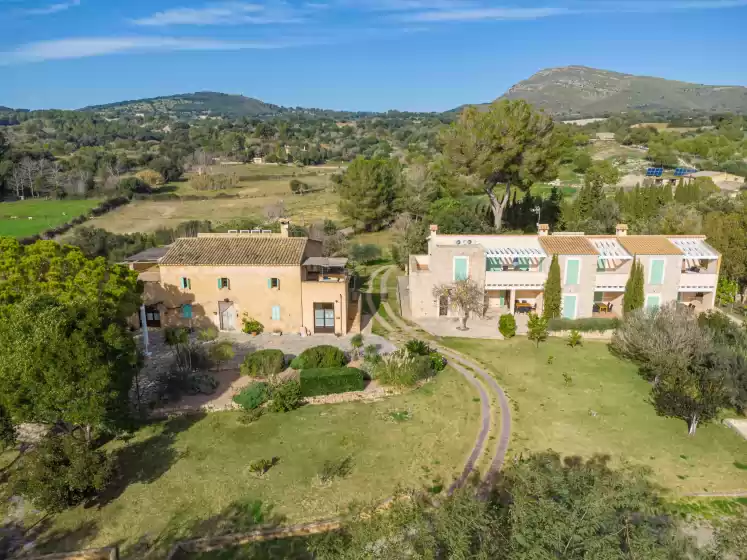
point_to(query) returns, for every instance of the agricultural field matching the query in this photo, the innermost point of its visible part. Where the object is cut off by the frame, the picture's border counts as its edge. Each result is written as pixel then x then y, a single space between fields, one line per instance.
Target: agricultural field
pixel 189 476
pixel 258 187
pixel 29 217
pixel 581 401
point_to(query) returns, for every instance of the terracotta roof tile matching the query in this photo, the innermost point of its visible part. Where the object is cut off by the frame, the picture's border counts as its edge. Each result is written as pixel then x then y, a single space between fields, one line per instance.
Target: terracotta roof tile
pixel 567 245
pixel 648 245
pixel 236 251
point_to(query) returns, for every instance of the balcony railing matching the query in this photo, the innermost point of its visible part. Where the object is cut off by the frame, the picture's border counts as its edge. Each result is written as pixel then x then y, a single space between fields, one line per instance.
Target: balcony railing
pixel 510 279
pixel 326 277
pixel 610 281
pixel 696 281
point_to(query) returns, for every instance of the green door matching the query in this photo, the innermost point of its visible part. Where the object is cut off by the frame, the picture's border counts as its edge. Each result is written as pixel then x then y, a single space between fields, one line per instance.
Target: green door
pixel 653 301
pixel 460 268
pixel 572 267
pixel 569 307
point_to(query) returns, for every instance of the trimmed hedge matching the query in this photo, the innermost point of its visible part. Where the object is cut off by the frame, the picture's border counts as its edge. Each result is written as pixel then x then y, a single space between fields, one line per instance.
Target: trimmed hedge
pixel 507 325
pixel 328 381
pixel 589 324
pixel 263 363
pixel 323 356
pixel 253 396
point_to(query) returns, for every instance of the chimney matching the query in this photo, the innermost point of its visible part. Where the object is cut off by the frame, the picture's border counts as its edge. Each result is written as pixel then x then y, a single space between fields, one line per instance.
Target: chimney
pixel 434 230
pixel 285 228
pixel 543 230
pixel 621 229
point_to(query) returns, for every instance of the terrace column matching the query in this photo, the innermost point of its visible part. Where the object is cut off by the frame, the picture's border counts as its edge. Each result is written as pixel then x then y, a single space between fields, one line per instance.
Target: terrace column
pixel 512 301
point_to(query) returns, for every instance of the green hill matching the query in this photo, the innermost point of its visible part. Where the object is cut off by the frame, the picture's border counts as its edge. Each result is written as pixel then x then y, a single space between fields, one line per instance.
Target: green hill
pixel 206 103
pixel 579 91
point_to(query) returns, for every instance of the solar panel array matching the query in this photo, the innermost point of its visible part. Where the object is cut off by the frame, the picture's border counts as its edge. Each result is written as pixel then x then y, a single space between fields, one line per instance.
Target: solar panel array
pixel 654 172
pixel 682 171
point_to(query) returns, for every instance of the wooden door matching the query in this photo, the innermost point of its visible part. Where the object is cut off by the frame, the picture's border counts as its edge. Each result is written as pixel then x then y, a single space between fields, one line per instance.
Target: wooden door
pixel 227 313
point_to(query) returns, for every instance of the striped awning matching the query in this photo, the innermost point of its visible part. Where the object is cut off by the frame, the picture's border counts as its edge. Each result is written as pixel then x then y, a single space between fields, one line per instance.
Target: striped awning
pixel 694 249
pixel 610 250
pixel 509 255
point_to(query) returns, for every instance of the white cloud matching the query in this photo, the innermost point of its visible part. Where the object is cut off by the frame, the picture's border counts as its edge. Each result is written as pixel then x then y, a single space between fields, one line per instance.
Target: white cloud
pixel 51 8
pixel 225 13
pixel 83 47
pixel 477 14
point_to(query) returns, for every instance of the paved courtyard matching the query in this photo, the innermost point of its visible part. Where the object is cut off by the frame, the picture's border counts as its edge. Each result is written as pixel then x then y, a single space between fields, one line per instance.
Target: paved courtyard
pixel 486 327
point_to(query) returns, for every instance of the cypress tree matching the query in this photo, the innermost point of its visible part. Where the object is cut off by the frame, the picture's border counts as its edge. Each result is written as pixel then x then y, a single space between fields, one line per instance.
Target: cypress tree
pixel 552 291
pixel 634 298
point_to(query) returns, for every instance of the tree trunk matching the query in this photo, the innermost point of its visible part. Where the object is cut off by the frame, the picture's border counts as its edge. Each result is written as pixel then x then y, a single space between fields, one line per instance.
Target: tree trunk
pixel 464 321
pixel 498 206
pixel 693 424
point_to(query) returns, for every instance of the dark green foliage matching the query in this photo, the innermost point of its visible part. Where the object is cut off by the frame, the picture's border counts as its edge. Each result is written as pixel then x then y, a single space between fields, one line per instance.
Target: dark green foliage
pixel 261 466
pixel 323 356
pixel 285 397
pixel 364 253
pixel 589 324
pixel 634 297
pixel 263 363
pixel 328 381
pixel 552 295
pixel 61 472
pixel 419 347
pixel 299 187
pixel 252 326
pixel 7 430
pixel 368 190
pixel 507 325
pixel 537 328
pixel 438 362
pixel 254 396
pixel 457 216
pixel 66 362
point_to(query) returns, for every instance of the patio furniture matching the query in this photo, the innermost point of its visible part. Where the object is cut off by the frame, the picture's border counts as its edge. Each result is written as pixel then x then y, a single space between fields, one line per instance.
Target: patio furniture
pixel 523 307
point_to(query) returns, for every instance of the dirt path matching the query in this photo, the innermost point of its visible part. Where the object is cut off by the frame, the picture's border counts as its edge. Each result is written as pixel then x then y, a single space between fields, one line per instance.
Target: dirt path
pixel 461 363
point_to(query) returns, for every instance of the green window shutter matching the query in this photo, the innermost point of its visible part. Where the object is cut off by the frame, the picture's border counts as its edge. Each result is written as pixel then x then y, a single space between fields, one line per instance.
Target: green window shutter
pixel 657 272
pixel 184 283
pixel 653 301
pixel 277 282
pixel 269 283
pixel 571 272
pixel 460 268
pixel 569 307
pixel 220 283
pixel 276 313
pixel 187 311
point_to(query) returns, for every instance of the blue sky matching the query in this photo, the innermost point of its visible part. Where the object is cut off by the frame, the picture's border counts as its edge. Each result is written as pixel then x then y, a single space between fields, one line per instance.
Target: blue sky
pixel 425 55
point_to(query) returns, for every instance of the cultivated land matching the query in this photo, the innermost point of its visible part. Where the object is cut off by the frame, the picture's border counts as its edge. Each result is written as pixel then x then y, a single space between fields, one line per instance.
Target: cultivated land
pixel 44 214
pixel 189 476
pixel 259 186
pixel 604 410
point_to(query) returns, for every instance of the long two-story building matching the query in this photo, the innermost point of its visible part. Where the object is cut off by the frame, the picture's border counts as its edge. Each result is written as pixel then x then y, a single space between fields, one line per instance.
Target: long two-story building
pixel 219 279
pixel 513 269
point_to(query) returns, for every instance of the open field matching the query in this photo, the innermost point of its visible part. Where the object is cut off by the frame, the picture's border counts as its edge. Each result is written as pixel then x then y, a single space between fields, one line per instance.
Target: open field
pixel 44 214
pixel 258 187
pixel 189 476
pixel 604 410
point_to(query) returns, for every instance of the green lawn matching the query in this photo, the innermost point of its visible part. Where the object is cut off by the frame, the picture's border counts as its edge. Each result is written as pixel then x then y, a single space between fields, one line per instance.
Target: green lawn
pixel 548 414
pixel 44 214
pixel 190 477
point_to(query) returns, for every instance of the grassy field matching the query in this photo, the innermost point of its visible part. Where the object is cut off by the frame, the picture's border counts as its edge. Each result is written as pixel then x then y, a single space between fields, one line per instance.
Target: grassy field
pixel 28 217
pixel 259 186
pixel 604 410
pixel 189 476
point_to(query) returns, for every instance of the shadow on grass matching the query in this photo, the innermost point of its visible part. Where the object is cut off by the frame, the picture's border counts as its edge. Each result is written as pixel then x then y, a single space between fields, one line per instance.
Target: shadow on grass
pixel 145 461
pixel 62 540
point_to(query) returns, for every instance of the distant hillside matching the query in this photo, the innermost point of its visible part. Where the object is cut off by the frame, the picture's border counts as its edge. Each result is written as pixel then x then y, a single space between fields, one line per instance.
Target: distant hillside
pixel 206 103
pixel 578 91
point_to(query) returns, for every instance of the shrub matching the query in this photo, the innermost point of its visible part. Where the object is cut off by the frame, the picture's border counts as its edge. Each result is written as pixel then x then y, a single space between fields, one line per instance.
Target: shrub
pixel 254 396
pixel 61 472
pixel 575 339
pixel 402 369
pixel 537 328
pixel 252 326
pixel 328 381
pixel 249 416
pixel 263 363
pixel 208 334
pixel 221 351
pixel 418 347
pixel 438 362
pixel 507 325
pixel 590 324
pixel 339 468
pixel 371 352
pixel 357 343
pixel 261 466
pixel 323 356
pixel 285 396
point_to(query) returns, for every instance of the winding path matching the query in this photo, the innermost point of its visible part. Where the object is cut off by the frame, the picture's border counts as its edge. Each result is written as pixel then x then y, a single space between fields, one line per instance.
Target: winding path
pixel 461 364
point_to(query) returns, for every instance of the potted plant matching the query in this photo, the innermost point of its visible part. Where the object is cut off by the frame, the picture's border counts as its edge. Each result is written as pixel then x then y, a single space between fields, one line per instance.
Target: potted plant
pixel 252 326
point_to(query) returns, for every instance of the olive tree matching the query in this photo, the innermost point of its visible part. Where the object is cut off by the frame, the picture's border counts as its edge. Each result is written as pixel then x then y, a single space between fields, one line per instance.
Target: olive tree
pixel 465 297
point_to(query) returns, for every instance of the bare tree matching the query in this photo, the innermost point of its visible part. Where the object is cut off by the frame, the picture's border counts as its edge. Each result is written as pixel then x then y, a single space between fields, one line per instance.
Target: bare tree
pixel 55 175
pixel 17 180
pixel 29 170
pixel 465 297
pixel 201 161
pixel 275 211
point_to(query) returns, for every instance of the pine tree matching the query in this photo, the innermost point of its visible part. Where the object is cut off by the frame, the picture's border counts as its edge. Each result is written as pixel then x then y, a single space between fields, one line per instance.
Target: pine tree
pixel 621 200
pixel 537 328
pixel 552 291
pixel 634 298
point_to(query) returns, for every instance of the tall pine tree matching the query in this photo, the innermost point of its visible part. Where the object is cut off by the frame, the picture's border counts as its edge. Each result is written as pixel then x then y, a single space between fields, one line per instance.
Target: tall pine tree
pixel 634 297
pixel 552 291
